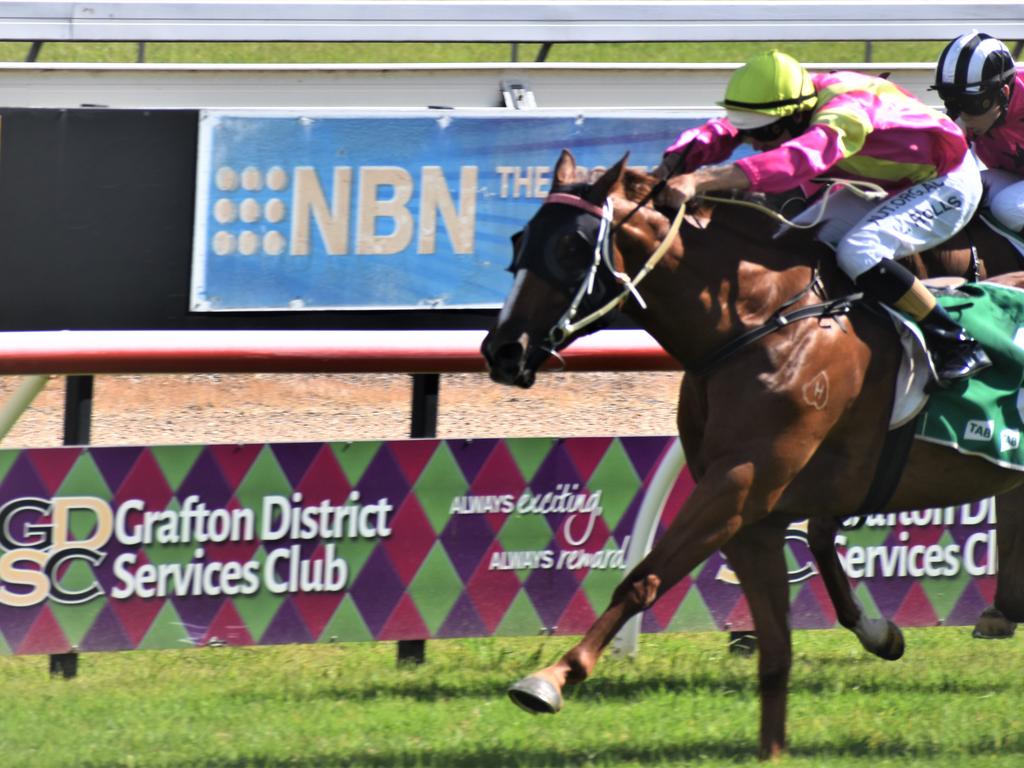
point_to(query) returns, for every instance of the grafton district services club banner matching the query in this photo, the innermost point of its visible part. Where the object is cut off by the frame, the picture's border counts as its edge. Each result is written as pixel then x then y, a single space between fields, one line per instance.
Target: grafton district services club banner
pixel 177 546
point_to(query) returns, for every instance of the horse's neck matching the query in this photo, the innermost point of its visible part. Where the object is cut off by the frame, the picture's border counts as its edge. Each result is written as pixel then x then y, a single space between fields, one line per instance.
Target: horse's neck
pixel 727 277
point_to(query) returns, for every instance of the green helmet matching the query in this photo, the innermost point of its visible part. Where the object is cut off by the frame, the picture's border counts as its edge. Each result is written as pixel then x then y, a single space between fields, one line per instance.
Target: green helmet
pixel 772 84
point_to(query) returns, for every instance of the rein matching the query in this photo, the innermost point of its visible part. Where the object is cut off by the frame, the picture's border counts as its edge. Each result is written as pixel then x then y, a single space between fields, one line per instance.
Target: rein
pixel 867 190
pixel 566 325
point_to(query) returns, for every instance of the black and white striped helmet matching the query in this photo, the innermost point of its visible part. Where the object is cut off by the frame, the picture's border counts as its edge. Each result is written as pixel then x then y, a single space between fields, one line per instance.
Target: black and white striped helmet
pixel 972 64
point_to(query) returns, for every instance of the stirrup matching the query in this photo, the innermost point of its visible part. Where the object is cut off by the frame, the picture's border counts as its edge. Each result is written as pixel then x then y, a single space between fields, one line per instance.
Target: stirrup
pixel 963 363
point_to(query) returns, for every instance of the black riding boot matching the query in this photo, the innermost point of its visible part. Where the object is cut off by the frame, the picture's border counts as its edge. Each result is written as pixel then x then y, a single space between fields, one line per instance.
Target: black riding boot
pixel 955 353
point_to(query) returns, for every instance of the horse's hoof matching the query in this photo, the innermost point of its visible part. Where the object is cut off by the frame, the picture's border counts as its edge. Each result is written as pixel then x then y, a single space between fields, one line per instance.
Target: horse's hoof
pixel 896 646
pixel 536 695
pixel 880 637
pixel 993 625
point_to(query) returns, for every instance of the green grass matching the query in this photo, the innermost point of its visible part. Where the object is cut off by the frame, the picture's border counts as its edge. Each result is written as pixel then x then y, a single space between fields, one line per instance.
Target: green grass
pixel 433 53
pixel 952 701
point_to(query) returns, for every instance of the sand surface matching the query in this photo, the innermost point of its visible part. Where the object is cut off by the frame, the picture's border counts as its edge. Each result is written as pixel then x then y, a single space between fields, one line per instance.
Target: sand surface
pixel 214 408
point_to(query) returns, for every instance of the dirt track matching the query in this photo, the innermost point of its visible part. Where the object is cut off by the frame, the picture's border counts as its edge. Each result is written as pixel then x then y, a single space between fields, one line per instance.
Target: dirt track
pixel 154 410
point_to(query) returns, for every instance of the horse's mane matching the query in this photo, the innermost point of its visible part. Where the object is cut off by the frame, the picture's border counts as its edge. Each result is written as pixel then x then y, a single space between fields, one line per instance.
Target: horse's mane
pixel 637 184
pixel 747 223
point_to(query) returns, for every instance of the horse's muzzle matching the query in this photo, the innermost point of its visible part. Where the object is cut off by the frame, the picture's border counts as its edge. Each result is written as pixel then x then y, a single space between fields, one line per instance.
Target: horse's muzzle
pixel 507 362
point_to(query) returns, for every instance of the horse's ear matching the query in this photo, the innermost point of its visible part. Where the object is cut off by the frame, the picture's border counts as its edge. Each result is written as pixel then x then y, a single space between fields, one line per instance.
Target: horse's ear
pixel 600 188
pixel 565 168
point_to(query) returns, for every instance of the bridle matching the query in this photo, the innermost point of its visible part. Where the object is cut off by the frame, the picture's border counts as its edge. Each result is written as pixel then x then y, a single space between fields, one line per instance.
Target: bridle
pixel 567 325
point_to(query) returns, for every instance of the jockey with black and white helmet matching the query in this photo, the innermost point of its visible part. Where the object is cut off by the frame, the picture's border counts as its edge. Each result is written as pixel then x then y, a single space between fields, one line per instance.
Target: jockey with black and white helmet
pixel 983 91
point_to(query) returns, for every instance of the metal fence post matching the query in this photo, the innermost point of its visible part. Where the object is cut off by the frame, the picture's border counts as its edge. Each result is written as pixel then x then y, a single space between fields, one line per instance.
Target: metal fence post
pixel 425 387
pixel 77 423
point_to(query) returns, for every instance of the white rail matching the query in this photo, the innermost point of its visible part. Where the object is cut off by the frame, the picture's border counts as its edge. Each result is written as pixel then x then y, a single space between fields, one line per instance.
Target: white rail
pixel 506 20
pixel 694 87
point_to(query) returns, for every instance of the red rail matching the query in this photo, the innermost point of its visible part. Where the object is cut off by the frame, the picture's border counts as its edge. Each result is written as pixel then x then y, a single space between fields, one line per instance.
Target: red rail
pixel 96 352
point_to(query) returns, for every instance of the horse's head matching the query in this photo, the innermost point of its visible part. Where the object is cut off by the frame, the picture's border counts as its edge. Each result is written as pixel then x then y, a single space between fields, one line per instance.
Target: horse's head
pixel 562 263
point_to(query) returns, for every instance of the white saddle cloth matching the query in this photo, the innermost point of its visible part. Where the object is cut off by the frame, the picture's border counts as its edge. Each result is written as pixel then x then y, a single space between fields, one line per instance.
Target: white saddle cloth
pixel 916 368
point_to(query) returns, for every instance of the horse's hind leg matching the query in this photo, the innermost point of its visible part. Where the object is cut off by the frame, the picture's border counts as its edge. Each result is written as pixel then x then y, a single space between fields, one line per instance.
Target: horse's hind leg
pixel 998 621
pixel 879 636
pixel 992 624
pixel 757 555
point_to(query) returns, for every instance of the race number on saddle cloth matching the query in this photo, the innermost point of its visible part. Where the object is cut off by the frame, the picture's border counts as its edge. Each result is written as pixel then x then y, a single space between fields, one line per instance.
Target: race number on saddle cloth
pixel 983 415
pixel 847 125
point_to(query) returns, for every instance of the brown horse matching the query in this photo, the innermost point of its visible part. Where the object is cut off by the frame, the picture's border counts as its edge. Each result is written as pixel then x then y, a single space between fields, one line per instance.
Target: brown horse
pixel 784 429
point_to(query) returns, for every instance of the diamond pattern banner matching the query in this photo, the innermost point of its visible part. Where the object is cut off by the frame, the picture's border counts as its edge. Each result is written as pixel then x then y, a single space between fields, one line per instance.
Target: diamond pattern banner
pixel 177 546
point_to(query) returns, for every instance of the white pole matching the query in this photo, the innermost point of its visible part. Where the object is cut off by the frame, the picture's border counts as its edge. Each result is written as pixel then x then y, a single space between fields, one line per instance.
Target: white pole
pixel 625 642
pixel 19 402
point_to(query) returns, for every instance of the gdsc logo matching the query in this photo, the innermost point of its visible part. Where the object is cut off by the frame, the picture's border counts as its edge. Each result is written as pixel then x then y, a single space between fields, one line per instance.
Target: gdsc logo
pixel 36 547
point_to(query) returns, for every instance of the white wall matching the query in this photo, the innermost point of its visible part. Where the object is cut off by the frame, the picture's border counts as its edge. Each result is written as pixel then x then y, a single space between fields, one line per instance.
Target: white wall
pixel 692 88
pixel 508 20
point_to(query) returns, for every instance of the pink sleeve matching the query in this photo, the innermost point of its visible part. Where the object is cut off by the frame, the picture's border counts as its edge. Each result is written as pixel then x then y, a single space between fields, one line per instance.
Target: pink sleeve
pixel 794 163
pixel 709 143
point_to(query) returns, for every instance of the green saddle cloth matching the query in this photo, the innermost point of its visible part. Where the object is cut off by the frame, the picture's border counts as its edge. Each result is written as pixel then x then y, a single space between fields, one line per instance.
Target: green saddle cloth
pixel 982 415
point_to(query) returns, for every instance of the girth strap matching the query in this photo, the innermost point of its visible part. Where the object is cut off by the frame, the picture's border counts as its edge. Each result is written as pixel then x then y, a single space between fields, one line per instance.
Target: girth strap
pixel 889 469
pixel 826 309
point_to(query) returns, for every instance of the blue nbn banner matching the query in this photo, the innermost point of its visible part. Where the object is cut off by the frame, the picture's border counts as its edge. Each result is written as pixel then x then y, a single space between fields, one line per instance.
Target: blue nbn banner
pixel 307 211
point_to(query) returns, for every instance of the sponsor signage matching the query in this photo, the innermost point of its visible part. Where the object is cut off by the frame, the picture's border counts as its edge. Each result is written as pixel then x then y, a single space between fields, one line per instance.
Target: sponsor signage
pixel 177 546
pixel 411 210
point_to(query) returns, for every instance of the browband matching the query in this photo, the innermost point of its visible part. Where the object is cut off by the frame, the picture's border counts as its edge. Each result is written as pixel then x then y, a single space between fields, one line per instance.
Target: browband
pixel 564 198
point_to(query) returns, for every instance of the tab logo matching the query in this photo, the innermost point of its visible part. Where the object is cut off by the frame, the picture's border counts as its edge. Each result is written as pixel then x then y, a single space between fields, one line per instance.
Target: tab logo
pixel 979 430
pixel 1009 440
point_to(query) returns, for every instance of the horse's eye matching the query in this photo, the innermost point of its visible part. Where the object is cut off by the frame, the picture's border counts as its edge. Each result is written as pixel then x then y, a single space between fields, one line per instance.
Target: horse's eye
pixel 570 255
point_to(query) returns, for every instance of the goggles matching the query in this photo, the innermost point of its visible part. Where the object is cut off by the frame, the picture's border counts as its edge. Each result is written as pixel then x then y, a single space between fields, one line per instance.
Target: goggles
pixel 769 132
pixel 974 104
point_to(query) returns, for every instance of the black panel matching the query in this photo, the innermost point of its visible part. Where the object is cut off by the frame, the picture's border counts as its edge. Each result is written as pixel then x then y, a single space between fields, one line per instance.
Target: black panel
pixel 96 211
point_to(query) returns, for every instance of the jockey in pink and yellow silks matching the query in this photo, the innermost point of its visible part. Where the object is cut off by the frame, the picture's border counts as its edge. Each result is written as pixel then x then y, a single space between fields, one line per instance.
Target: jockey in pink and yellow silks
pixel 862 128
pixel 848 125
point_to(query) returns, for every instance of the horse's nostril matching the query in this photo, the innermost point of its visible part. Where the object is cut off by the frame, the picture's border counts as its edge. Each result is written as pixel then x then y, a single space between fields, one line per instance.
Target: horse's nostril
pixel 505 362
pixel 510 352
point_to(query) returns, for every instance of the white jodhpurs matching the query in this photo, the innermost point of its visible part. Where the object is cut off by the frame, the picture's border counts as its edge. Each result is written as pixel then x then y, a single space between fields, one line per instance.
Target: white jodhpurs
pixel 863 232
pixel 1004 197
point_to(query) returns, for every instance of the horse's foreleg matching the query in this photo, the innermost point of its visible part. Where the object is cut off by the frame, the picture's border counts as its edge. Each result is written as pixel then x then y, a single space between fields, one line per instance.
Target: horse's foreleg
pixel 757 555
pixel 709 518
pixel 998 621
pixel 879 636
pixel 1009 598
